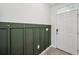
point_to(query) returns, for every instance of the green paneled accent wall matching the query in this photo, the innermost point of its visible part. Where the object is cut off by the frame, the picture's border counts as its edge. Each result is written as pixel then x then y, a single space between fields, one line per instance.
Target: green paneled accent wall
pixel 36 41
pixel 28 41
pixel 17 41
pixel 24 39
pixel 42 39
pixel 3 41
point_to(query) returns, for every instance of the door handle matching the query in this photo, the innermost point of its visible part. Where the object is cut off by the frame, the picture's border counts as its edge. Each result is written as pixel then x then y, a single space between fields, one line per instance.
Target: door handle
pixel 56 30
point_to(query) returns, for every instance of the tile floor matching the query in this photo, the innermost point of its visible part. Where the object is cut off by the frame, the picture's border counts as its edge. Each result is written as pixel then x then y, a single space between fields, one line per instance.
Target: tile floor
pixel 54 51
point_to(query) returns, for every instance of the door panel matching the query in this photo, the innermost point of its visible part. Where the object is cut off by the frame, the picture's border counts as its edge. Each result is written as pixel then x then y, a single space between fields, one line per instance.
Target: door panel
pixel 67 31
pixel 3 41
pixel 28 42
pixel 17 41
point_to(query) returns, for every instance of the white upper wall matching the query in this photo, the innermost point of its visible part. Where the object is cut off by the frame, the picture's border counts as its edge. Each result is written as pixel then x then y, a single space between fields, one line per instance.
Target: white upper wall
pixel 35 13
pixel 53 23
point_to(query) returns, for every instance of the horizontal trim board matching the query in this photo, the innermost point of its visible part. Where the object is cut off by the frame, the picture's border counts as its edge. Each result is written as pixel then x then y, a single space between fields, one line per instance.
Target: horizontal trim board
pixel 20 25
pixel 23 23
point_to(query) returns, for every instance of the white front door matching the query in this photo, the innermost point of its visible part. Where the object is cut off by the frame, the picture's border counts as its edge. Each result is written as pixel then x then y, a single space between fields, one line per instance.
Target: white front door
pixel 67 31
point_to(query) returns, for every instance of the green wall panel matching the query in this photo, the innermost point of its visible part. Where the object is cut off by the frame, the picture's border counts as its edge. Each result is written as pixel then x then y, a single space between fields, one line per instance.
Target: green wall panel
pixel 46 40
pixel 27 39
pixel 28 42
pixel 17 41
pixel 3 41
pixel 49 36
pixel 36 41
pixel 41 32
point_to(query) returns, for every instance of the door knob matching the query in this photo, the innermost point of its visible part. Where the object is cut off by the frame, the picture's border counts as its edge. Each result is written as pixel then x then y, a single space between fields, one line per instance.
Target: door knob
pixel 56 30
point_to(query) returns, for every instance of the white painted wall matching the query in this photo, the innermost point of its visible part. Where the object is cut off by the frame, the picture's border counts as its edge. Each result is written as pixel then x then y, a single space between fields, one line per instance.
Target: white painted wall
pixel 35 13
pixel 53 22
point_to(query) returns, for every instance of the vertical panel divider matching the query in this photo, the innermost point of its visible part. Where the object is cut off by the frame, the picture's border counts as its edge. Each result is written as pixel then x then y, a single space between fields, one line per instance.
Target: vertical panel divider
pixel 33 39
pixel 9 40
pixel 24 39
